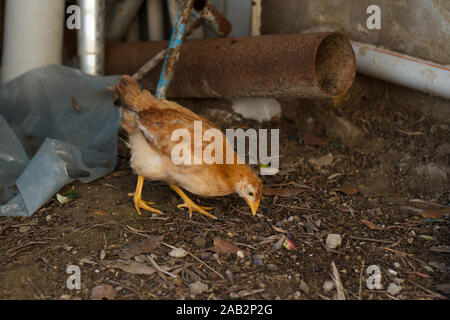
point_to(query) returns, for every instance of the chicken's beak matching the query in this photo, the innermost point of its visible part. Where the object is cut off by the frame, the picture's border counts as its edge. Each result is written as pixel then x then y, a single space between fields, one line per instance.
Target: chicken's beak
pixel 254 206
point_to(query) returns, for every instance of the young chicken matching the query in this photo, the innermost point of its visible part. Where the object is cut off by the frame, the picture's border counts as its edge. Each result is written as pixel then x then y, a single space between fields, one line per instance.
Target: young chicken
pixel 150 123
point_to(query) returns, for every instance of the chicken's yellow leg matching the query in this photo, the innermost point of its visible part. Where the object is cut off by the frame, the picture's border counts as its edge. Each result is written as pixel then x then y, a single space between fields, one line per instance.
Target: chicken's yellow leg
pixel 137 198
pixel 190 205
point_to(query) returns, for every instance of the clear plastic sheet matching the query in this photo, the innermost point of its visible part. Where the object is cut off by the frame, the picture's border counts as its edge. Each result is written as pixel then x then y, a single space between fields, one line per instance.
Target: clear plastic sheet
pixel 57 125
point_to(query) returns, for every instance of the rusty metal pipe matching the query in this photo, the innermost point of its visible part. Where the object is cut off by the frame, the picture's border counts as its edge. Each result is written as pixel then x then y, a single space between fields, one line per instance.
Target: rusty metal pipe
pixel 294 66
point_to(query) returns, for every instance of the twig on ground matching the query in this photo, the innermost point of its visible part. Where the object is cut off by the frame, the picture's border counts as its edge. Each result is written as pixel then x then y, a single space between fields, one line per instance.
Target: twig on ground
pixel 340 295
pixel 129 288
pixel 372 240
pixel 434 294
pixel 399 252
pixel 158 268
pixel 360 281
pixel 203 263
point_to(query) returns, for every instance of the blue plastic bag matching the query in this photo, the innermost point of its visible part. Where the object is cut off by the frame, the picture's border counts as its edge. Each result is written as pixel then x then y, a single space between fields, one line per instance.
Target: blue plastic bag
pixel 57 125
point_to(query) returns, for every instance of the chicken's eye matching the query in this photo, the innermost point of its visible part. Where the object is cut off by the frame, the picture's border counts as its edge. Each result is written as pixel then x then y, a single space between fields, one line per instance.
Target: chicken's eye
pixel 251 194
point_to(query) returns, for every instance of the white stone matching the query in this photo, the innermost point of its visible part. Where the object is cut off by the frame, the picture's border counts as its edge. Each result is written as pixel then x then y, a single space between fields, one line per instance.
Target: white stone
pixel 198 287
pixel 328 285
pixel 394 289
pixel 257 109
pixel 178 253
pixel 333 241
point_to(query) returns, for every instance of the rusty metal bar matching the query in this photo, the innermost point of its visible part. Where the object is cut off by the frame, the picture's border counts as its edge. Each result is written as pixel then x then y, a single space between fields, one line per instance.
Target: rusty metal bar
pixel 173 51
pixel 300 65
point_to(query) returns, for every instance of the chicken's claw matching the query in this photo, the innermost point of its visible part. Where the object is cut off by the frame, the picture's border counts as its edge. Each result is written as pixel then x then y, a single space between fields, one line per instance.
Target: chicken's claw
pixel 138 202
pixel 191 205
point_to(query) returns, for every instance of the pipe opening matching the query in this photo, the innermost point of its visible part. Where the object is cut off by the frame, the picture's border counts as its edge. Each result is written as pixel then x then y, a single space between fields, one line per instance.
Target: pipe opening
pixel 200 4
pixel 335 66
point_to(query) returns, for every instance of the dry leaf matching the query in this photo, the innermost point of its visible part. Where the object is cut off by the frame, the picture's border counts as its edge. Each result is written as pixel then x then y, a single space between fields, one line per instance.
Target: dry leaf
pixel 282 192
pixel 347 190
pixel 144 246
pixel 227 247
pixel 102 292
pixel 371 225
pixel 324 161
pixel 314 141
pixel 436 214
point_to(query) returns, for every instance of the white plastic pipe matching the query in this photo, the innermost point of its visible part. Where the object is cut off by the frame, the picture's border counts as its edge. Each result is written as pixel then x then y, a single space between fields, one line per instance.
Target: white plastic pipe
pixel 155 17
pixel 33 36
pixel 401 69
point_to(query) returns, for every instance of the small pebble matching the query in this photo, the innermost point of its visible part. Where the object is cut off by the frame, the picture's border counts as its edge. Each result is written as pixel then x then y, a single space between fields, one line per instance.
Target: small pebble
pixel 392 272
pixel 394 289
pixel 197 287
pixel 328 285
pixel 178 253
pixel 397 265
pixel 333 241
pixel 240 254
pixel 266 211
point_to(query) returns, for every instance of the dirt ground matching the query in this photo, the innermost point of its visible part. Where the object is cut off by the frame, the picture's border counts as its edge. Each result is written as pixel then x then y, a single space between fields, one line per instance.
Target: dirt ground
pixel 369 168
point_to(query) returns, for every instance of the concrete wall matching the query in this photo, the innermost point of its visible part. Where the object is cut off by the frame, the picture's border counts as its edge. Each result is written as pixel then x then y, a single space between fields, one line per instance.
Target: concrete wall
pixel 416 27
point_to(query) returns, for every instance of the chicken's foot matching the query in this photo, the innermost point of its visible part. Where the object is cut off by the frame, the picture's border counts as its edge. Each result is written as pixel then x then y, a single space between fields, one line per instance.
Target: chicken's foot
pixel 190 205
pixel 137 198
